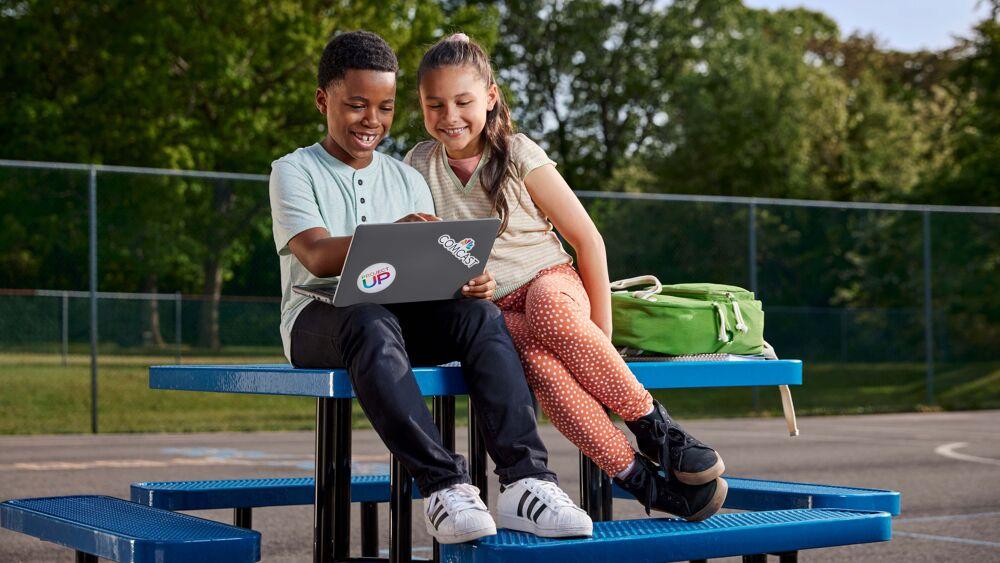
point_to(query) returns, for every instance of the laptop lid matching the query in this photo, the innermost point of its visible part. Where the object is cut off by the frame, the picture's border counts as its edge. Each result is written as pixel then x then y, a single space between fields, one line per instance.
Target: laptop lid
pixel 408 262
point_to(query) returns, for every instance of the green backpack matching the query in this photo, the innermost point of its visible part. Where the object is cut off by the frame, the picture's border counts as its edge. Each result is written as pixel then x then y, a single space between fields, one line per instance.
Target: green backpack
pixel 686 318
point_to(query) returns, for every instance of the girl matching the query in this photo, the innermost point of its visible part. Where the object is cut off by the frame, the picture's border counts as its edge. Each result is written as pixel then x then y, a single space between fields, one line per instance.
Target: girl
pixel 560 319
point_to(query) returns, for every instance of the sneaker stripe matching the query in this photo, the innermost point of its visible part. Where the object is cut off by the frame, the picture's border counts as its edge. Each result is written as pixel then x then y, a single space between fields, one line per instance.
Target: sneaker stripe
pixel 541 509
pixel 436 512
pixel 520 504
pixel 531 507
pixel 440 519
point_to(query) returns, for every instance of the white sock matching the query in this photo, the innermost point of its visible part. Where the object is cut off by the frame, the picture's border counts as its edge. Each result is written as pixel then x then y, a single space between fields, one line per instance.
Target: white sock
pixel 624 472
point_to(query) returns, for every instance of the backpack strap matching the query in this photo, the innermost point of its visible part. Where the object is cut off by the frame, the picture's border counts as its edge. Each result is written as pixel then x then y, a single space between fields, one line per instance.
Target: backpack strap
pixel 644 281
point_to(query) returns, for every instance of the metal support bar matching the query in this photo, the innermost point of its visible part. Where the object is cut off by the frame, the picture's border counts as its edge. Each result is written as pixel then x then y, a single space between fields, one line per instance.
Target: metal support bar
pixel 82 557
pixel 400 512
pixel 607 501
pixel 591 494
pixel 177 325
pixel 65 328
pixel 444 419
pixel 342 478
pixel 92 244
pixel 369 529
pixel 332 510
pixel 243 518
pixel 756 558
pixel 477 456
pixel 928 310
pixel 752 263
pixel 788 557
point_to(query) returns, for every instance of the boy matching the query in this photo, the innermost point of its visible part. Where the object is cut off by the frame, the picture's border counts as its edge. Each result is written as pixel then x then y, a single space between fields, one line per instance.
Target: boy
pixel 319 194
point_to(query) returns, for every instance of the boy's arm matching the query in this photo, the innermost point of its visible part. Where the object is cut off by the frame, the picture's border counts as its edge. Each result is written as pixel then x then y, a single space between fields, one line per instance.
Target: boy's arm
pixel 320 253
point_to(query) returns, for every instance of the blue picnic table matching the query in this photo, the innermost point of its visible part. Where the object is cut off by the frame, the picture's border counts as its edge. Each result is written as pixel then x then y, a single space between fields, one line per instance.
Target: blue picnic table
pixel 333 393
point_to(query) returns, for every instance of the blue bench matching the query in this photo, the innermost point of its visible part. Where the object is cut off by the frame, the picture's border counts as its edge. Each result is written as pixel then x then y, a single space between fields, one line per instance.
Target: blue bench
pixel 119 530
pixel 243 495
pixel 744 494
pixel 662 539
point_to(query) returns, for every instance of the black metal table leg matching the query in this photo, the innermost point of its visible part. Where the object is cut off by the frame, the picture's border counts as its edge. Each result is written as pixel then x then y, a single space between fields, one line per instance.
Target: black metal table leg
pixel 332 510
pixel 444 418
pixel 400 512
pixel 591 494
pixel 477 457
pixel 755 558
pixel 82 557
pixel 243 517
pixel 607 501
pixel 369 529
pixel 788 557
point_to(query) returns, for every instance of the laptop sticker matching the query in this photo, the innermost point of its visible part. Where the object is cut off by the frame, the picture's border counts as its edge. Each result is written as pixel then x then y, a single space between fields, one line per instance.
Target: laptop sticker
pixel 460 250
pixel 376 277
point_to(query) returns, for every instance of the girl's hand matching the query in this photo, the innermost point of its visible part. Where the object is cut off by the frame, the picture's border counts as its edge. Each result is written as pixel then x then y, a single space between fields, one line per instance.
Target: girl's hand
pixel 417 218
pixel 481 287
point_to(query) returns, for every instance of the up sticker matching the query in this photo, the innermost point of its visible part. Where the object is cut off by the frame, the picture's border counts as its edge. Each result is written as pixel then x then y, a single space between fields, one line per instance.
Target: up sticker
pixel 376 277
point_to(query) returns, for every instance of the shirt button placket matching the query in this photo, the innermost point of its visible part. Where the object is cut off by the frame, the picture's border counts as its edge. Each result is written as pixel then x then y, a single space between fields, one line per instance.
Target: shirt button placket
pixel 362 208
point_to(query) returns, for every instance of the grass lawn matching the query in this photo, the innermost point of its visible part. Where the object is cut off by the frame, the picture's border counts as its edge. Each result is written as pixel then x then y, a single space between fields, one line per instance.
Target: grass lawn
pixel 38 395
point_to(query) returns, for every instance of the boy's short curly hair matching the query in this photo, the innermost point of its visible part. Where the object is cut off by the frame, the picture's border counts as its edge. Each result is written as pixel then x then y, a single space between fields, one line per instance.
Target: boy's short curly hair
pixel 361 50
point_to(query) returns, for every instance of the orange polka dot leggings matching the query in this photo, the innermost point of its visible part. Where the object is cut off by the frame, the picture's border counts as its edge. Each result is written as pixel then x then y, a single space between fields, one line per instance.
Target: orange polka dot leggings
pixel 572 366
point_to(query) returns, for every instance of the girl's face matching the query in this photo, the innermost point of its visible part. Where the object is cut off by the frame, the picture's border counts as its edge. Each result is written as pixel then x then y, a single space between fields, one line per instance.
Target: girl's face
pixel 455 100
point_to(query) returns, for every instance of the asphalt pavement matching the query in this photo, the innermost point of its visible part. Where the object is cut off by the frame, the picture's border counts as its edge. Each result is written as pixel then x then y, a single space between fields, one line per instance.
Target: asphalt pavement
pixel 946 465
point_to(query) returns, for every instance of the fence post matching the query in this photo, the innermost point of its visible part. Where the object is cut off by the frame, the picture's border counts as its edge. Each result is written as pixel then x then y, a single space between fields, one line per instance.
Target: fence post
pixel 92 197
pixel 928 310
pixel 177 324
pixel 65 327
pixel 752 260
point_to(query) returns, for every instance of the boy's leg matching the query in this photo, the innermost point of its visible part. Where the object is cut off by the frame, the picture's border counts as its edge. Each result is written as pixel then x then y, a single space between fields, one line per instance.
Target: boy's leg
pixel 368 341
pixel 473 331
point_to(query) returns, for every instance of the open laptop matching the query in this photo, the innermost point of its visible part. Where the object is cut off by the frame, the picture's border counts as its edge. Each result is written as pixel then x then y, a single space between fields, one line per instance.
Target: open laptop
pixel 406 262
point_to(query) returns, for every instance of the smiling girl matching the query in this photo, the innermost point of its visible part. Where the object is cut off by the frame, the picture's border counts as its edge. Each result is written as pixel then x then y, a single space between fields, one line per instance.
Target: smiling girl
pixel 559 317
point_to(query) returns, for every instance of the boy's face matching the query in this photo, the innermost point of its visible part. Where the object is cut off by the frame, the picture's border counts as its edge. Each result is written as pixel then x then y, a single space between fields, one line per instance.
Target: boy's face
pixel 359 110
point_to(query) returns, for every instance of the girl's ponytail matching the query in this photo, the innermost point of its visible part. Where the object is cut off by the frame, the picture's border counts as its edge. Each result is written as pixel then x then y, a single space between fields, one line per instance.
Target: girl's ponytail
pixel 459 50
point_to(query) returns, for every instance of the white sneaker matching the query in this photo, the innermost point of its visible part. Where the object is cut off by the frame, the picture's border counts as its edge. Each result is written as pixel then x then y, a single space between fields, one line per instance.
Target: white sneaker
pixel 541 508
pixel 456 514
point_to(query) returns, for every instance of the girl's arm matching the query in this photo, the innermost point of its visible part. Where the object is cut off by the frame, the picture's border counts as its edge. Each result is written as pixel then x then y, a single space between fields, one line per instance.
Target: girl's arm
pixel 553 196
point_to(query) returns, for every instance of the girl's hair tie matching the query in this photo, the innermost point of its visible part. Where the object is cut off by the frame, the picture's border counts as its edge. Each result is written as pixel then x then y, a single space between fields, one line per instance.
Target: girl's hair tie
pixel 460 37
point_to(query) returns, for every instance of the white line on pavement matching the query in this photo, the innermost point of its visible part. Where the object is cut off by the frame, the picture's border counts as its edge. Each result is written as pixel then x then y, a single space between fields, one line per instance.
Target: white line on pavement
pixel 947 518
pixel 947 539
pixel 948 450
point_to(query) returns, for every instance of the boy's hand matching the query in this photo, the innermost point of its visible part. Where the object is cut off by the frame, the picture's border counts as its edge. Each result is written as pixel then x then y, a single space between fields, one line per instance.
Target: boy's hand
pixel 480 287
pixel 418 218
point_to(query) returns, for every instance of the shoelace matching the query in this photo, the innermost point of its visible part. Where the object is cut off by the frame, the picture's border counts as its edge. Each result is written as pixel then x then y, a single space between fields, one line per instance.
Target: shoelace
pixel 549 493
pixel 460 497
pixel 660 432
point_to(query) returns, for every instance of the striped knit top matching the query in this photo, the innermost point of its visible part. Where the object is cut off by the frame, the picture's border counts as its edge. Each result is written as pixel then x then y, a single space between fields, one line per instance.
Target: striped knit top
pixel 529 244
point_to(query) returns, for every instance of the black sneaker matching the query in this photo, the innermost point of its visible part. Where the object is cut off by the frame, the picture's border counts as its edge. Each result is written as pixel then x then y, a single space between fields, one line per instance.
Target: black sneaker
pixel 691 502
pixel 681 454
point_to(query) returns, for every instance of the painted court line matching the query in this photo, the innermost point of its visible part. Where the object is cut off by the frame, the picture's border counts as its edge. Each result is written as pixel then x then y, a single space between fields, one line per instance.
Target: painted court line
pixel 948 539
pixel 948 450
pixel 947 518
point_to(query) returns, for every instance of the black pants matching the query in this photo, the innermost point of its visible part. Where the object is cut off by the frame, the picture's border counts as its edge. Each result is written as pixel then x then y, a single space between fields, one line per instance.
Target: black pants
pixel 378 344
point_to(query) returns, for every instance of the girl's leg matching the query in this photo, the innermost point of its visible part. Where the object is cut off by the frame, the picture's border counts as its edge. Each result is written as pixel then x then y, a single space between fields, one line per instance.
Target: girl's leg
pixel 557 312
pixel 570 407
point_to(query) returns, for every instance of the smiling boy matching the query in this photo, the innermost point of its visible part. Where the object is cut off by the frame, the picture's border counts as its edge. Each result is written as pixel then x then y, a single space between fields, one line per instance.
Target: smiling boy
pixel 319 194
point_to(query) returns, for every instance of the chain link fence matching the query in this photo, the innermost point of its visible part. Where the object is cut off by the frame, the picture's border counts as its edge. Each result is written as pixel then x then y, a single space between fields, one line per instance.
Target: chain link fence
pixel 105 262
